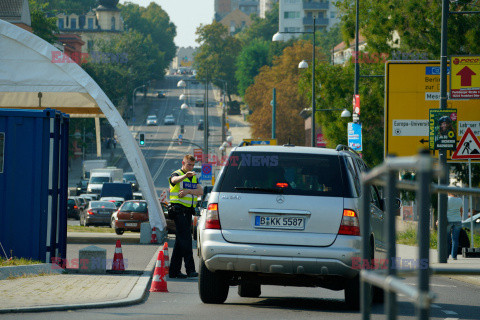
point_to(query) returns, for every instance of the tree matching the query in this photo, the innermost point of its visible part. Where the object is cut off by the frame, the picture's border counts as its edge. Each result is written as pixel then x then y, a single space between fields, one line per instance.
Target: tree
pixel 44 27
pixel 417 22
pixel 216 56
pixel 119 78
pixel 335 83
pixel 70 6
pixel 284 76
pixel 252 57
pixel 155 23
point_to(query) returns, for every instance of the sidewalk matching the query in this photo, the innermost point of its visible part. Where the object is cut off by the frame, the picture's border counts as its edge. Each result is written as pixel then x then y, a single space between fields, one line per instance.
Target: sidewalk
pixel 68 291
pixel 407 253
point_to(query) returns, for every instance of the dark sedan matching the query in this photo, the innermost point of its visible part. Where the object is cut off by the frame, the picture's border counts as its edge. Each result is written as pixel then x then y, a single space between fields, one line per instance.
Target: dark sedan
pixel 98 212
pixel 73 208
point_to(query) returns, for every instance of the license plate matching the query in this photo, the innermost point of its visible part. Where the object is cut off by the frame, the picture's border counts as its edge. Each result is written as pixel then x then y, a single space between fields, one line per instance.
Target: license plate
pixel 275 222
pixel 130 224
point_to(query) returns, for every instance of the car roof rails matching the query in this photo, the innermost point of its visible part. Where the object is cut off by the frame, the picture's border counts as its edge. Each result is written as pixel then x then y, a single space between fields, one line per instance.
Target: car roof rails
pixel 342 147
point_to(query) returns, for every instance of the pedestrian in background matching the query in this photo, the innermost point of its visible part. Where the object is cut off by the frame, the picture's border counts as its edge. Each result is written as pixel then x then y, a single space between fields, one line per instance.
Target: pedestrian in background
pixel 454 217
pixel 184 190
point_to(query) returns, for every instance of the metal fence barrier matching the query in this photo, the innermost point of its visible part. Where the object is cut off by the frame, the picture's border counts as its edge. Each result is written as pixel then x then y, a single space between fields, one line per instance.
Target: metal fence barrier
pixel 388 279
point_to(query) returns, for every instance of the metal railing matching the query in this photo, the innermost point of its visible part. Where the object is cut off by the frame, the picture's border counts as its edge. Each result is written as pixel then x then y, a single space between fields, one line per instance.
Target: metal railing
pixel 386 175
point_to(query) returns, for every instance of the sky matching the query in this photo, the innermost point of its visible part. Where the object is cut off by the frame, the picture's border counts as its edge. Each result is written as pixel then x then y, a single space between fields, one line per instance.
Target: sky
pixel 187 15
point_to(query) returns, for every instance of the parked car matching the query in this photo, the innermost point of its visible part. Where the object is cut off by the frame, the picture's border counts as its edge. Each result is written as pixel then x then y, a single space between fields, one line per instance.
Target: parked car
pixel 199 103
pixel 73 208
pixel 98 212
pixel 161 94
pixel 117 201
pixel 129 177
pixel 200 125
pixel 129 216
pixel 169 120
pixel 287 216
pixel 152 120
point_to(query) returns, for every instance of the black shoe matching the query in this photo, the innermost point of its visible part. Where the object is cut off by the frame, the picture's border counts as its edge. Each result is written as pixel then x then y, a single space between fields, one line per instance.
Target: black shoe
pixel 178 276
pixel 193 274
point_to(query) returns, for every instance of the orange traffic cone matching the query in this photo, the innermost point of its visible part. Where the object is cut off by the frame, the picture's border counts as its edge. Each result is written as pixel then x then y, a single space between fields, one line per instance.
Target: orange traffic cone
pixel 154 236
pixel 166 257
pixel 118 258
pixel 159 284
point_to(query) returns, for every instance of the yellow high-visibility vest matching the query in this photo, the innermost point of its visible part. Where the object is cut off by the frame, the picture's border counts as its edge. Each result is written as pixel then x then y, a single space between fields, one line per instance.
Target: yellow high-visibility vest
pixel 189 200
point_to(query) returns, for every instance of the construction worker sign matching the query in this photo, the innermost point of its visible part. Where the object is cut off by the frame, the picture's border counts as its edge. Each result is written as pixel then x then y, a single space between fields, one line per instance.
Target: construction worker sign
pixel 442 129
pixel 468 147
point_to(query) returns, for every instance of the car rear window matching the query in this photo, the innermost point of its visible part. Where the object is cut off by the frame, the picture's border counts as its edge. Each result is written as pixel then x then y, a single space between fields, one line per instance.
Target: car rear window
pixel 134 206
pixel 70 201
pixel 285 173
pixel 102 204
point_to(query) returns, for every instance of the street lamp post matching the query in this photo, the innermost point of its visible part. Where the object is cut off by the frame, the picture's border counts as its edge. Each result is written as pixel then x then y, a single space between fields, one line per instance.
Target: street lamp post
pixel 303 64
pixel 133 102
pixel 182 84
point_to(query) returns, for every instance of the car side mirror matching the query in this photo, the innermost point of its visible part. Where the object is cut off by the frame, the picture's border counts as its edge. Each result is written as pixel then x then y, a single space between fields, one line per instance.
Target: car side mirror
pixel 397 206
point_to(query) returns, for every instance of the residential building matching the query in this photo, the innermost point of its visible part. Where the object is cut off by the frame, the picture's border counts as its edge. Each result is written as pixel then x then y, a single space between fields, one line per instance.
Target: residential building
pixel 236 21
pixel 265 6
pixel 297 15
pixel 225 7
pixel 342 53
pixel 103 22
pixel 16 12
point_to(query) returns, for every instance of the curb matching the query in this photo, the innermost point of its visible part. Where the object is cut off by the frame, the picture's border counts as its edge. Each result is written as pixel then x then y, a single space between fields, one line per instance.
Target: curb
pixel 136 295
pixel 33 269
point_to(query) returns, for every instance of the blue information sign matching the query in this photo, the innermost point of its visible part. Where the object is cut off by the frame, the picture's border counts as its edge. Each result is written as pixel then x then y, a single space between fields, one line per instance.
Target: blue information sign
pixel 355 136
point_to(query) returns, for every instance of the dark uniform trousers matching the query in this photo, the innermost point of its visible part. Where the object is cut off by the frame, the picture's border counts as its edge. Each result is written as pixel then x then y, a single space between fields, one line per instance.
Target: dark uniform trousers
pixel 183 241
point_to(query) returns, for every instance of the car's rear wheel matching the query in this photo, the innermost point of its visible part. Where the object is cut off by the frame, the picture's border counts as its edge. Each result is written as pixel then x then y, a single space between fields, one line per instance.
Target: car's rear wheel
pixel 247 289
pixel 352 294
pixel 212 286
pixel 119 231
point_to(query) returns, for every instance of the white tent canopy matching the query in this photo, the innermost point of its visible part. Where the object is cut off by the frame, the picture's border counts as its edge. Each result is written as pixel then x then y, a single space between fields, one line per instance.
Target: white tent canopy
pixel 27 69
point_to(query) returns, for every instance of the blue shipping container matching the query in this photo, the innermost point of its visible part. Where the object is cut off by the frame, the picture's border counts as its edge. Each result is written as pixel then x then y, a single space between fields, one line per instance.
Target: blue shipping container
pixel 33 183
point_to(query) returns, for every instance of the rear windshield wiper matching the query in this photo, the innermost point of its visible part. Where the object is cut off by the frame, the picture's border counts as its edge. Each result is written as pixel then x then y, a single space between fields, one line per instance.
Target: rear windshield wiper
pixel 271 190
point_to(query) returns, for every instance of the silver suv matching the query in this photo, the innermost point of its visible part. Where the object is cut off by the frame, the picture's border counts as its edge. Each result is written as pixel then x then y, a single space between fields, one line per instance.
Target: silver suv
pixel 285 215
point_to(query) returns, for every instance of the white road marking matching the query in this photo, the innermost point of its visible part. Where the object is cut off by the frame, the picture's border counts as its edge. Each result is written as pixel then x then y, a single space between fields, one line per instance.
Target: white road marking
pixel 449 312
pixel 436 306
pixel 435 285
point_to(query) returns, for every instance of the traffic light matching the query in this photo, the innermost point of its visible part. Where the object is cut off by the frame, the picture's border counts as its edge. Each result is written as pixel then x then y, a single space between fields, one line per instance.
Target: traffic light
pixel 142 139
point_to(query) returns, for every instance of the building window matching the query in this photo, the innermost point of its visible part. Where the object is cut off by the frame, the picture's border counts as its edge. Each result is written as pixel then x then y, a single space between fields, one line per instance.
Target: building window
pixel 73 23
pixel 60 23
pixel 291 14
pixel 113 23
pixel 90 45
pixel 90 23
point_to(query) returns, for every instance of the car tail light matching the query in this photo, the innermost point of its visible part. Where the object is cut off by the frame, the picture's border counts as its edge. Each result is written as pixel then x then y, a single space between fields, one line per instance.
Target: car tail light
pixel 282 184
pixel 212 220
pixel 90 212
pixel 349 225
pixel 75 207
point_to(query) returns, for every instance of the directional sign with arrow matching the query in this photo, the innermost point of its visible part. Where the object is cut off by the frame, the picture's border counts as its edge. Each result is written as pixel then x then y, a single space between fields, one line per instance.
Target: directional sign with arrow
pixel 465 79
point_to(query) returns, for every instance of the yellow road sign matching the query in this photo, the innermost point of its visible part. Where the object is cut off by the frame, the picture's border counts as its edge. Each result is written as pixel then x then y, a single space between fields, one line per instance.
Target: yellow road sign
pixel 465 80
pixel 272 142
pixel 412 88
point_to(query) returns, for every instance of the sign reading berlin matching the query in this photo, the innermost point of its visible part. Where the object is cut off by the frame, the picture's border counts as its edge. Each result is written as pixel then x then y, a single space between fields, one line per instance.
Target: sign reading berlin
pixel 465 79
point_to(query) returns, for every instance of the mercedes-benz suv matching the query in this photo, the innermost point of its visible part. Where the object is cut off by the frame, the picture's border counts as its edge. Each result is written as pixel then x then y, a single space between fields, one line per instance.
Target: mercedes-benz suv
pixel 285 215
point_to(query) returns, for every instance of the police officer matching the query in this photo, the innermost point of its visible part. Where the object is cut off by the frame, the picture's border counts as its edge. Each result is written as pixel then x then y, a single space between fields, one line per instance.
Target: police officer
pixel 184 190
